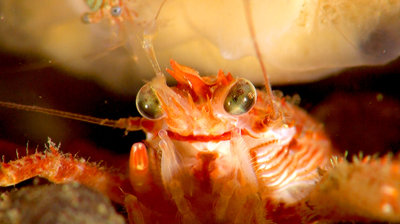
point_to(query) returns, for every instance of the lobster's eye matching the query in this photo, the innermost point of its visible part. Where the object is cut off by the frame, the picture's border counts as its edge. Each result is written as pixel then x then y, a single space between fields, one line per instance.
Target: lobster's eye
pixel 148 104
pixel 116 11
pixel 241 97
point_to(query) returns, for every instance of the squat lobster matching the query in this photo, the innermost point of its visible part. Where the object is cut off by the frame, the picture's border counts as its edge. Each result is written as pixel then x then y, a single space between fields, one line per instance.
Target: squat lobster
pixel 214 153
pixel 218 150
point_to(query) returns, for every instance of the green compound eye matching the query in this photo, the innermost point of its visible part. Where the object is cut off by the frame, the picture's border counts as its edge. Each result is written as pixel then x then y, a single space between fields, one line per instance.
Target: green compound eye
pixel 241 97
pixel 148 104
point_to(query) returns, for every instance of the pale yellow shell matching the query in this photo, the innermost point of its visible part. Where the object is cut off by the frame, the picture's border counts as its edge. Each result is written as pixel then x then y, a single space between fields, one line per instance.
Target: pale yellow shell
pixel 300 40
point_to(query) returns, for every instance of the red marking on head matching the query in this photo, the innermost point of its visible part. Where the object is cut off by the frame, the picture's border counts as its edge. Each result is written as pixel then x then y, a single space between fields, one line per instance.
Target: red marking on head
pixel 200 138
pixel 204 138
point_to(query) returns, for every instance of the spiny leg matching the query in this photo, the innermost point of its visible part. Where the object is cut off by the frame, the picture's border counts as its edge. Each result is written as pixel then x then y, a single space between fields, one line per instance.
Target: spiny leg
pixel 64 168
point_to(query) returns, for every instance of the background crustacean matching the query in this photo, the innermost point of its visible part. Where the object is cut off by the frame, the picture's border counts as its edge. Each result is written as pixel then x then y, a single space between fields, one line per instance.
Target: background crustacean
pixel 356 122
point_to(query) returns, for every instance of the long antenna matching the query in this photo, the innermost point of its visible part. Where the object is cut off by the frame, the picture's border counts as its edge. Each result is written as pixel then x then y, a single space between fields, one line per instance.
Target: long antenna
pixel 250 24
pixel 129 124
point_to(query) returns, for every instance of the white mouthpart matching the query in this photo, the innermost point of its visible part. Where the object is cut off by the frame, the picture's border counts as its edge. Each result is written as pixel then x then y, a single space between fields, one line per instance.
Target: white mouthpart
pixel 222 147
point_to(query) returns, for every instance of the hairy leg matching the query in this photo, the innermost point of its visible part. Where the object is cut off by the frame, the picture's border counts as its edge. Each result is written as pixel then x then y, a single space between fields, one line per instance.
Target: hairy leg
pixel 64 168
pixel 364 190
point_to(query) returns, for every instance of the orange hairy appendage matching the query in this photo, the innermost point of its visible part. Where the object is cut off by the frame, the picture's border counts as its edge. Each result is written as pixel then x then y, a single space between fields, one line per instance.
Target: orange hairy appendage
pixel 364 190
pixel 63 168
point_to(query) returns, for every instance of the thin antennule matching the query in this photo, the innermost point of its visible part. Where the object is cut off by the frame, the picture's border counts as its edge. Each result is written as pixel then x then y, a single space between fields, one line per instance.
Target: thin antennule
pixel 149 49
pixel 129 124
pixel 147 43
pixel 252 31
